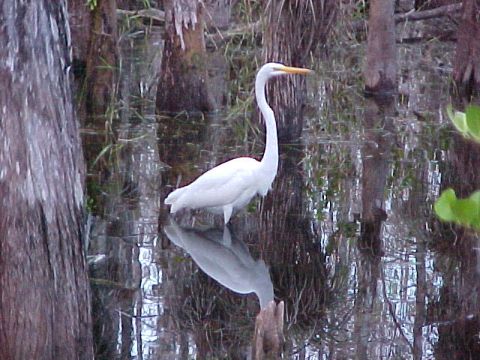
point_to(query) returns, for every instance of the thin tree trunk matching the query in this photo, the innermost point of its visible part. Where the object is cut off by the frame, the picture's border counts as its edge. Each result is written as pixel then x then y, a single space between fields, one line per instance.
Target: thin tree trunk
pixel 380 69
pixel 44 290
pixel 183 79
pixel 294 30
pixel 466 70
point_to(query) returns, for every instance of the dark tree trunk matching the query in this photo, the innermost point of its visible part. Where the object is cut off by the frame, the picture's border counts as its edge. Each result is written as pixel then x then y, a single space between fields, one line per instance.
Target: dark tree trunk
pixel 380 69
pixel 466 70
pixel 95 55
pixel 294 29
pixel 183 77
pixel 44 290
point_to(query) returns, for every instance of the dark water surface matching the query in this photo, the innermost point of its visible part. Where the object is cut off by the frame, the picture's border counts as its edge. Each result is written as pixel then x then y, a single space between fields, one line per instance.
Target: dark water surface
pixel 347 237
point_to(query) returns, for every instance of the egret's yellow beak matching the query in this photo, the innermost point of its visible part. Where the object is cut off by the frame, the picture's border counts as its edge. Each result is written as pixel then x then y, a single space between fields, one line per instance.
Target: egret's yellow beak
pixel 295 70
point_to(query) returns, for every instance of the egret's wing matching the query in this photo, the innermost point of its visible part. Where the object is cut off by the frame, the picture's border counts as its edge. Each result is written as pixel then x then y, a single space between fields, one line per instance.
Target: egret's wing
pixel 217 187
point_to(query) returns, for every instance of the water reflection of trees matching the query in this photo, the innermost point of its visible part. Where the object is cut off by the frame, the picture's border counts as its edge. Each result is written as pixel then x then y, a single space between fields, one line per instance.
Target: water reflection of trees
pixel 124 185
pixel 288 242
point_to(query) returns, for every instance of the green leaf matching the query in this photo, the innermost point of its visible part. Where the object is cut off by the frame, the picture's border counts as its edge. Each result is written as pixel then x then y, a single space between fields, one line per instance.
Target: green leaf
pixel 459 120
pixel 475 197
pixel 473 121
pixel 464 210
pixel 443 207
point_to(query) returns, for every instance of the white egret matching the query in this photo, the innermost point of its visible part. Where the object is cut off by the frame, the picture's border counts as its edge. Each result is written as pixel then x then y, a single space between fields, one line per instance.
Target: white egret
pixel 230 186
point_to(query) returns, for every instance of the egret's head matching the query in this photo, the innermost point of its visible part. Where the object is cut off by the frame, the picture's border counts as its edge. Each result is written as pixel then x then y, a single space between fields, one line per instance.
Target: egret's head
pixel 275 69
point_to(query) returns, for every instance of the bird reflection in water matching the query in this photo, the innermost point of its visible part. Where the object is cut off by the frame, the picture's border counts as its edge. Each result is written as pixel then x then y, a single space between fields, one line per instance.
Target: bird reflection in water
pixel 226 259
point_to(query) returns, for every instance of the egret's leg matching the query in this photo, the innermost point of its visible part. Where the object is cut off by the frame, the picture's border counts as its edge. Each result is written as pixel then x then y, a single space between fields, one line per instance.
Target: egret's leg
pixel 227 212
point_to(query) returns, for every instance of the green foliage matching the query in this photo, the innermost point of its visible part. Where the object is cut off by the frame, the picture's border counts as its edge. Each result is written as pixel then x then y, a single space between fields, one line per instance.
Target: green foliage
pixel 467 123
pixel 464 212
pixel 92 4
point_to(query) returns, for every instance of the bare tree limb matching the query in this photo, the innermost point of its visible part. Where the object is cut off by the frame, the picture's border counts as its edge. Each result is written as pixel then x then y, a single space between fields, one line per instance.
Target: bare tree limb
pixel 446 10
pixel 440 11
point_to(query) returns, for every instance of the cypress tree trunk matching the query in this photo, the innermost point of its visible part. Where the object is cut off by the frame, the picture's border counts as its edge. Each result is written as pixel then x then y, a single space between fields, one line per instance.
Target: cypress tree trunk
pixel 183 77
pixel 44 290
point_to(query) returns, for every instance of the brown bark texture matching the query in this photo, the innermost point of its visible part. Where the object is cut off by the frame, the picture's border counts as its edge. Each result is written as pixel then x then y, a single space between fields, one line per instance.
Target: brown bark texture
pixel 293 31
pixel 466 69
pixel 380 70
pixel 95 54
pixel 44 289
pixel 183 82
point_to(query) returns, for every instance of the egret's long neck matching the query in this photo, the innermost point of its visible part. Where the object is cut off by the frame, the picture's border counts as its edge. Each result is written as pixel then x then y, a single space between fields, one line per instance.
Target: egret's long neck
pixel 269 161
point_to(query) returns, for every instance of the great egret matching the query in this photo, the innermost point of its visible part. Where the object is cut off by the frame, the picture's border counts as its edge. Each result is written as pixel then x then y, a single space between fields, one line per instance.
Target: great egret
pixel 231 185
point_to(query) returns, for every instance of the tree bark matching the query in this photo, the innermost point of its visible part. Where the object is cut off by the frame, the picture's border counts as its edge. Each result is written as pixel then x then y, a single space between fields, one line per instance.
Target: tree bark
pixel 44 290
pixel 380 69
pixel 294 30
pixel 466 70
pixel 183 82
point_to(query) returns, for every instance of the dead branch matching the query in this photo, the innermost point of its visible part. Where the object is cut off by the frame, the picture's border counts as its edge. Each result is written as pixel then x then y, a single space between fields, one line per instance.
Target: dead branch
pixel 446 10
pixel 440 11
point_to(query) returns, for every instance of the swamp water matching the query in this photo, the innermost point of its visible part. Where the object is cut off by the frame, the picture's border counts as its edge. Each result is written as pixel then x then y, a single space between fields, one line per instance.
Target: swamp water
pixel 347 238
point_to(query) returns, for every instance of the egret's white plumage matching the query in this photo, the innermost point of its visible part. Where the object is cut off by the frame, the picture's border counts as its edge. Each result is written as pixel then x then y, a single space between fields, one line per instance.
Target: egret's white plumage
pixel 231 185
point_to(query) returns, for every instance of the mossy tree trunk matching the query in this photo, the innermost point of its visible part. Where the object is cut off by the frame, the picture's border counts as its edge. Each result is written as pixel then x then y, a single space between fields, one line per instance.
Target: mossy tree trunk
pixel 380 70
pixel 95 55
pixel 466 70
pixel 183 84
pixel 44 290
pixel 293 31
